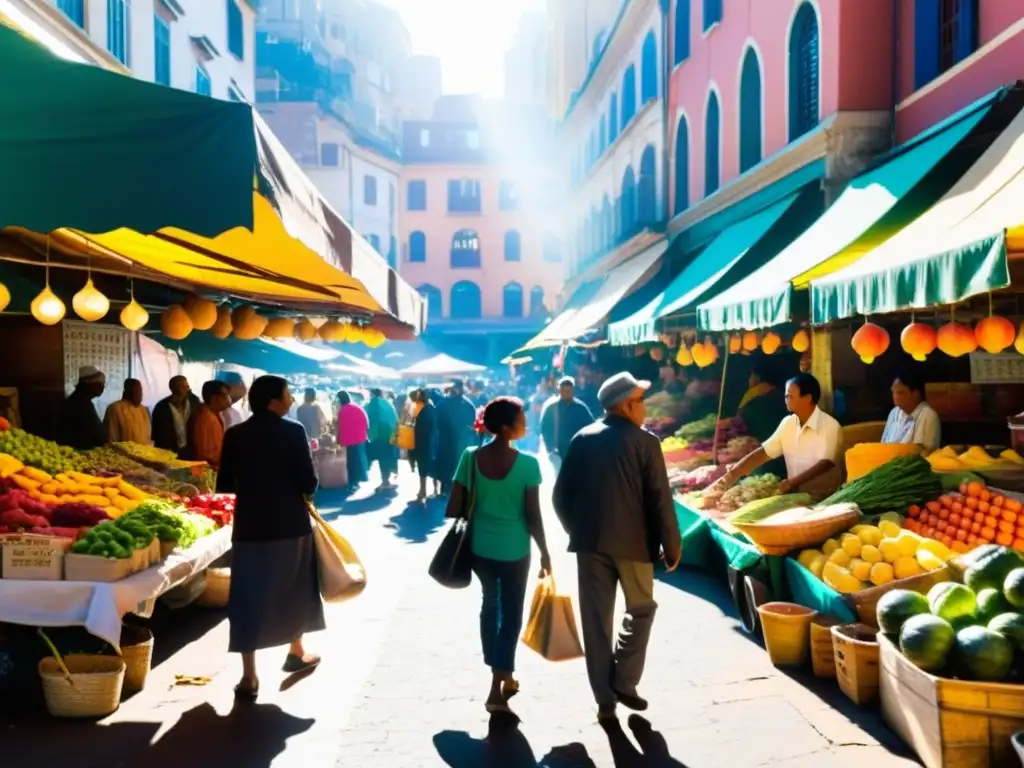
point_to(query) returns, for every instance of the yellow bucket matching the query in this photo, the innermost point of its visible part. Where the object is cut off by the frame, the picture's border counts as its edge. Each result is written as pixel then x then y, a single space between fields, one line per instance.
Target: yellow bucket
pixel 786 628
pixel 823 660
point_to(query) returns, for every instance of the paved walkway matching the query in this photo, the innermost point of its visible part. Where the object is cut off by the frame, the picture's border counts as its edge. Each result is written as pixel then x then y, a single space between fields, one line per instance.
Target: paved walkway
pixel 402 686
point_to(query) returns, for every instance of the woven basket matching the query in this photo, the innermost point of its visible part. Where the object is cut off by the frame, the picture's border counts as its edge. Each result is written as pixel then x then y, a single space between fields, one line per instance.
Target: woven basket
pixel 94 688
pixel 137 652
pixel 783 538
pixel 218 587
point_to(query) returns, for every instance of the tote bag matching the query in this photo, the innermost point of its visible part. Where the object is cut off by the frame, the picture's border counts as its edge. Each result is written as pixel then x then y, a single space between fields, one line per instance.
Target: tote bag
pixel 551 628
pixel 452 564
pixel 342 576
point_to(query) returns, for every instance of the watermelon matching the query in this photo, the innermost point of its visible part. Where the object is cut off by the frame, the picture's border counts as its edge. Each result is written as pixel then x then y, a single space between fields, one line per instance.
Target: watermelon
pixel 1013 587
pixel 988 566
pixel 983 654
pixel 951 601
pixel 926 641
pixel 991 603
pixel 896 606
pixel 1010 626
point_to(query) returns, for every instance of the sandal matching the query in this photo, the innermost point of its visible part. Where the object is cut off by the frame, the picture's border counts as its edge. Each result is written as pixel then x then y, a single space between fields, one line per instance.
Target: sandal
pixel 293 663
pixel 496 709
pixel 244 692
pixel 509 688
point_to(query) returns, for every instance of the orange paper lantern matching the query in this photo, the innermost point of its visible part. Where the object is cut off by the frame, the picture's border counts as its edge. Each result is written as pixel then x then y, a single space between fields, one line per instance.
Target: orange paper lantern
pixel 956 340
pixel 749 343
pixel 683 356
pixel 1018 344
pixel 703 354
pixel 801 341
pixel 735 344
pixel 870 341
pixel 918 340
pixel 770 343
pixel 712 348
pixel 994 334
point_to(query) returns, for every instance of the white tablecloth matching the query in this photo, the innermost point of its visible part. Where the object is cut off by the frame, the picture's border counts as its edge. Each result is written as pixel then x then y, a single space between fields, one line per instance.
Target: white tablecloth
pixel 98 606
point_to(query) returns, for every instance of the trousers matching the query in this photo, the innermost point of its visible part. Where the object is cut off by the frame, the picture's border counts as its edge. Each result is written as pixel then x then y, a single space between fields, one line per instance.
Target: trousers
pixel 617 668
pixel 501 611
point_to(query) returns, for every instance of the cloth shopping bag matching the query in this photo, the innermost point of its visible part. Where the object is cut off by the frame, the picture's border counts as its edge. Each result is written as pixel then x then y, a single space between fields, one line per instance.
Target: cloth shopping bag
pixel 551 627
pixel 452 565
pixel 404 438
pixel 342 575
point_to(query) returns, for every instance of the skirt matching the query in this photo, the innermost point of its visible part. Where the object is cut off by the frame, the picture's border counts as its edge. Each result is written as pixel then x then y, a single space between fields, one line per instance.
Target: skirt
pixel 358 470
pixel 275 593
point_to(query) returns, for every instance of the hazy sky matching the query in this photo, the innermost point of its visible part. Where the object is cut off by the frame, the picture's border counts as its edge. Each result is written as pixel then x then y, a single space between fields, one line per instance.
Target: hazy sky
pixel 470 36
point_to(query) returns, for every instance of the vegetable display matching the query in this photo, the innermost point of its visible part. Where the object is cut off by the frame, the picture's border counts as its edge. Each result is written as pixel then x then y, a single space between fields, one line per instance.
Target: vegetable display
pixel 171 523
pixel 896 485
pixel 975 515
pixel 746 490
pixel 753 511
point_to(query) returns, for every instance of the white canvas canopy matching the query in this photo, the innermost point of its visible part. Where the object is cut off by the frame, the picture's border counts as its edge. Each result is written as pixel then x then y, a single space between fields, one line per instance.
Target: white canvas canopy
pixel 354 366
pixel 441 365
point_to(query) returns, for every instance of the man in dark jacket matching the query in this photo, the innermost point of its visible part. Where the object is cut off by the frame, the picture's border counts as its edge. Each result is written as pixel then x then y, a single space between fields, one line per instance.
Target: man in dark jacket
pixel 172 414
pixel 79 424
pixel 564 415
pixel 613 499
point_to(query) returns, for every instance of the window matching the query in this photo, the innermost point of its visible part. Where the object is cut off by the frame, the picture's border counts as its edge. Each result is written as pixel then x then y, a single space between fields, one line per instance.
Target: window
pixel 712 13
pixel 424 137
pixel 945 33
pixel 712 153
pixel 464 196
pixel 416 195
pixel 392 252
pixel 433 297
pixel 803 72
pixel 508 200
pixel 627 205
pixel 553 248
pixel 512 300
pixel 465 252
pixel 537 308
pixel 513 246
pixel 682 167
pixel 236 30
pixel 628 96
pixel 681 43
pixel 649 69
pixel 750 112
pixel 647 190
pixel 329 154
pixel 374 240
pixel 203 87
pixel 602 143
pixel 606 228
pixel 161 51
pixel 118 26
pixel 417 247
pixel 369 190
pixel 391 200
pixel 74 10
pixel 613 119
pixel 465 304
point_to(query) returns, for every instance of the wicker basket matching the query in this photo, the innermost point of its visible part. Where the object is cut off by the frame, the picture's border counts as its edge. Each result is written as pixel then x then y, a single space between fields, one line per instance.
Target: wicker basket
pixel 856 654
pixel 218 587
pixel 137 652
pixel 783 538
pixel 90 688
pixel 823 658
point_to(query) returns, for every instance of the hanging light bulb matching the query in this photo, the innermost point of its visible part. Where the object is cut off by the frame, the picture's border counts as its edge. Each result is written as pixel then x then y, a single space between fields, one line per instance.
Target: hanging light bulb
pixel 5 297
pixel 89 304
pixel 47 308
pixel 134 316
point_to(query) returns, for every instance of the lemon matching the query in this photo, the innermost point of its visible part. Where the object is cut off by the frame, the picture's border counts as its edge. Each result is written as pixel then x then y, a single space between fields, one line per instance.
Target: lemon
pixel 937 548
pixel 908 543
pixel 847 583
pixel 851 545
pixel 831 571
pixel 870 554
pixel 881 573
pixel 929 560
pixel 807 557
pixel 870 535
pixel 858 528
pixel 817 565
pixel 861 569
pixel 890 550
pixel 889 528
pixel 830 546
pixel 840 557
pixel 905 567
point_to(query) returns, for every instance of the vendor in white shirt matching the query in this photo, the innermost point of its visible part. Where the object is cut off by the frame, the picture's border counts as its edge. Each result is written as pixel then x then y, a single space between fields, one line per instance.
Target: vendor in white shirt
pixel 912 420
pixel 809 440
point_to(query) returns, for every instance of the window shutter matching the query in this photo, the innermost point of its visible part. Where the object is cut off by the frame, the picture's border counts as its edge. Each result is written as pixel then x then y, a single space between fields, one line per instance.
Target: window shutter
pixel 926 42
pixel 712 152
pixel 966 30
pixel 682 31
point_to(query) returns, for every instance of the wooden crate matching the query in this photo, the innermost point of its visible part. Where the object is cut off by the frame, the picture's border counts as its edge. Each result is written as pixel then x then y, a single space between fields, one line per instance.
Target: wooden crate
pixel 93 568
pixel 865 602
pixel 32 560
pixel 949 723
pixel 855 649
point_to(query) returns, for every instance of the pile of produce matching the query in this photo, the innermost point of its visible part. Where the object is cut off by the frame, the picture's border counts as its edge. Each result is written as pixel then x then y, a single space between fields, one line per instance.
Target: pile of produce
pixel 762 509
pixel 896 485
pixel 171 523
pixel 36 452
pixel 112 494
pixel 973 630
pixel 975 516
pixel 219 507
pixel 974 458
pixel 873 555
pixel 746 490
pixel 703 427
pixel 736 449
pixel 664 412
pixel 115 539
pixel 695 479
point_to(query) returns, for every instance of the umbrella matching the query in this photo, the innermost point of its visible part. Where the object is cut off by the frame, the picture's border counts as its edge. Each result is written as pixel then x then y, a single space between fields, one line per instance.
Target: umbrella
pixel 441 365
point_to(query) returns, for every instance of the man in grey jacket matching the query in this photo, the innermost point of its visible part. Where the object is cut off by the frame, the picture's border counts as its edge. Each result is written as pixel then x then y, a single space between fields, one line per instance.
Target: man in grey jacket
pixel 613 499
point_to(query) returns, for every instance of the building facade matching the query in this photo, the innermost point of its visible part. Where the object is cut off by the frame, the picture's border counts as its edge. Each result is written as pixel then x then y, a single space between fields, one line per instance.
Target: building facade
pixel 479 224
pixel 206 46
pixel 527 61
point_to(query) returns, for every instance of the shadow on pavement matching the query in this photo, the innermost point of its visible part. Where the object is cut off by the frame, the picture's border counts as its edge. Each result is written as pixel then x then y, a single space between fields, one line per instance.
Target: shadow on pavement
pixel 416 522
pixel 653 752
pixel 504 747
pixel 702 585
pixel 337 503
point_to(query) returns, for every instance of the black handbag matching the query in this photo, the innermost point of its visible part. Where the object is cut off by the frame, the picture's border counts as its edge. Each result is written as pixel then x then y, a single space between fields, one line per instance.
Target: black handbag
pixel 452 565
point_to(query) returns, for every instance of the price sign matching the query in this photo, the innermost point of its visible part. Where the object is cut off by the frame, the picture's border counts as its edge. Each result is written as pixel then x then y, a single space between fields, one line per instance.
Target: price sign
pixel 32 561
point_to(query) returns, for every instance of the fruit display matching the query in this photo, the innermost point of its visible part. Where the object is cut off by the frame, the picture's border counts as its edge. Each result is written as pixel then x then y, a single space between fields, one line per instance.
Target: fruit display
pixel 703 427
pixel 746 490
pixel 171 523
pixel 146 453
pixel 896 485
pixel 664 412
pixel 874 555
pixel 34 451
pixel 973 516
pixel 117 540
pixel 974 458
pixel 755 511
pixel 972 630
pixel 219 507
pixel 695 479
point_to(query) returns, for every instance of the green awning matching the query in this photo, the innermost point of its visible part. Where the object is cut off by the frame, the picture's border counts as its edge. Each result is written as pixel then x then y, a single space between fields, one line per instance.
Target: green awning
pixel 955 249
pixel 715 268
pixel 871 209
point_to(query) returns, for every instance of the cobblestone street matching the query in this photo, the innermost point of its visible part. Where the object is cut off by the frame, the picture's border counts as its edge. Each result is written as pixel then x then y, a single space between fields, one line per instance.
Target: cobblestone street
pixel 402 686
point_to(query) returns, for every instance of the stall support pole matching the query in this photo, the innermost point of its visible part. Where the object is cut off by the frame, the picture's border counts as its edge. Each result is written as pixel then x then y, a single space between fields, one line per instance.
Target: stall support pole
pixel 721 400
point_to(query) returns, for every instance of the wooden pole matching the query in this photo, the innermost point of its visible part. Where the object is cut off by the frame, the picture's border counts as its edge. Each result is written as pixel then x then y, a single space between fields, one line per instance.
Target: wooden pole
pixel 721 400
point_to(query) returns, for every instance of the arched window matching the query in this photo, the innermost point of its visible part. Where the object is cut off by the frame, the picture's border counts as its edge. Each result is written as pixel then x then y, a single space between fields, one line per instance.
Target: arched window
pixel 433 296
pixel 628 96
pixel 537 307
pixel 512 300
pixel 682 167
pixel 417 246
pixel 613 118
pixel 513 245
pixel 465 304
pixel 607 223
pixel 627 205
pixel 649 69
pixel 804 74
pixel 712 153
pixel 647 189
pixel 681 46
pixel 750 111
pixel 465 253
pixel 603 142
pixel 552 248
